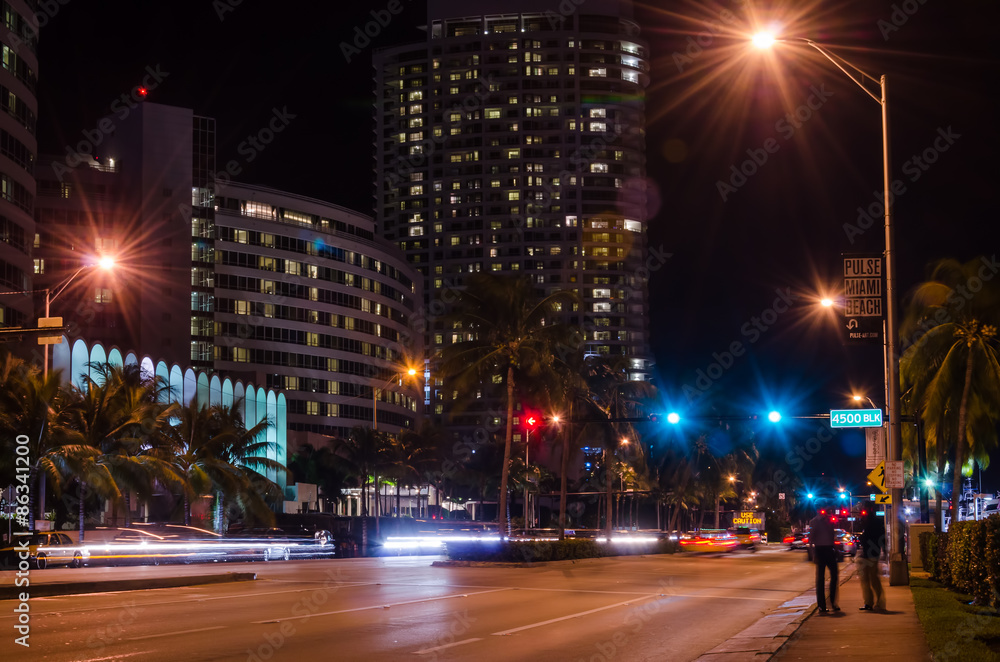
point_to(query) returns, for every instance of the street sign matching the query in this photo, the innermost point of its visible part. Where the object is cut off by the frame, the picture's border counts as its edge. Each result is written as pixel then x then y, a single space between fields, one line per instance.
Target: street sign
pixel 863 297
pixel 781 496
pixel 877 476
pixel 874 446
pixel 855 418
pixel 894 474
pixel 46 322
pixel 882 499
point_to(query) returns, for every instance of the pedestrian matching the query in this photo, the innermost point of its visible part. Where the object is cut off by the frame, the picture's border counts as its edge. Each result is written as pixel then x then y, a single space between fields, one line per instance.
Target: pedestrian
pixel 871 549
pixel 821 541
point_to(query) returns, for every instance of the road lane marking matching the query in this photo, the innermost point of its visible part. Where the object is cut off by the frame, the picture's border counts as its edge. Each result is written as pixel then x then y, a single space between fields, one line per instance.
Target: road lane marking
pixel 378 606
pixel 171 634
pixel 55 598
pixel 451 645
pixel 576 615
pixel 120 656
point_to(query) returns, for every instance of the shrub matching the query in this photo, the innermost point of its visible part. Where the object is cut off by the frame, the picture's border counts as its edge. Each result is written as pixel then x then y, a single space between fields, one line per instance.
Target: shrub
pixel 967 558
pixel 942 568
pixel 928 542
pixel 557 550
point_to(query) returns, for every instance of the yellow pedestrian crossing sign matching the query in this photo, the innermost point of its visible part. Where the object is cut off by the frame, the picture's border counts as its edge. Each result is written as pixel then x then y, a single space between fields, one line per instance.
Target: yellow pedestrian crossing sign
pixel 877 477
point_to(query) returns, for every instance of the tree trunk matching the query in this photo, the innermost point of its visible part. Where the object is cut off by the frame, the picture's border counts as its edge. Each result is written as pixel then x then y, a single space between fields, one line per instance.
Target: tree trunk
pixel 128 509
pixel 187 510
pixel 364 515
pixel 607 495
pixel 718 500
pixel 83 494
pixel 508 440
pixel 960 439
pixel 563 469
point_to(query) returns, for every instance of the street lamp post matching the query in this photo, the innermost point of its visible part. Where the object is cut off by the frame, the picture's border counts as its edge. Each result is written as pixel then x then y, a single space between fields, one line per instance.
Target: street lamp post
pixel 375 391
pixel 898 572
pixel 106 263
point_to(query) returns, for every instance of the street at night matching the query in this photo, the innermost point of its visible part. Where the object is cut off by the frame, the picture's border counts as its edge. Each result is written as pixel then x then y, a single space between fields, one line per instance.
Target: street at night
pixel 672 607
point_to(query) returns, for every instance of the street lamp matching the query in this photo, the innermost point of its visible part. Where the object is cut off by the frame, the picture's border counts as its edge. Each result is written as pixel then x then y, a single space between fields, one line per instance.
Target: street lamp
pixel 898 572
pixel 105 262
pixel 857 398
pixel 411 372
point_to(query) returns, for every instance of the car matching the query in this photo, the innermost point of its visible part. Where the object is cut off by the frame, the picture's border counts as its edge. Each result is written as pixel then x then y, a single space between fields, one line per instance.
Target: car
pixel 44 549
pixel 749 538
pixel 845 543
pixel 709 540
pixel 155 544
pixel 797 540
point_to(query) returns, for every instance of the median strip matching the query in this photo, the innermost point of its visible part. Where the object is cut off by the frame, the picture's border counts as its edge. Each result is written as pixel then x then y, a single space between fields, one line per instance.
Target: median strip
pixel 114 585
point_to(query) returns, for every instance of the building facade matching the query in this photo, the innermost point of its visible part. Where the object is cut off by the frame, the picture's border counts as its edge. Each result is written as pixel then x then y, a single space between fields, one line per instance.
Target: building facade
pixel 293 294
pixel 307 300
pixel 511 141
pixel 18 149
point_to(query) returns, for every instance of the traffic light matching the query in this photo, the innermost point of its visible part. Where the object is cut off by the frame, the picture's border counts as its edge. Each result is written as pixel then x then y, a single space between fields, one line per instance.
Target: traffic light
pixel 774 416
pixel 532 421
pixel 673 418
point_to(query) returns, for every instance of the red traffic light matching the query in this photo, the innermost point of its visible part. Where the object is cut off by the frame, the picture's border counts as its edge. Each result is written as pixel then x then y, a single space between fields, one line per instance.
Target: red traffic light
pixel 531 421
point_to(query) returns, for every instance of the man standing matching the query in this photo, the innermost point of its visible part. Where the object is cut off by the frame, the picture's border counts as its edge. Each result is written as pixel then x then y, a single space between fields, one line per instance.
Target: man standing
pixel 824 556
pixel 872 546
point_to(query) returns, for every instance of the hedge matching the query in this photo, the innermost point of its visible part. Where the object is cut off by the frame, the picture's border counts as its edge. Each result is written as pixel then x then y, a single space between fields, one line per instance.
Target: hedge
pixel 556 550
pixel 966 559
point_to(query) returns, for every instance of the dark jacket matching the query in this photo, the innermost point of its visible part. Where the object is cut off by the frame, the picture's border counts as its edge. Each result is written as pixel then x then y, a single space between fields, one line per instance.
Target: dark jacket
pixel 872 543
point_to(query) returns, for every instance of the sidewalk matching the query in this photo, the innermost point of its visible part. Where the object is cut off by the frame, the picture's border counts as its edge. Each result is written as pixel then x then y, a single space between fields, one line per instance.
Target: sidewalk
pixel 796 630
pixel 858 635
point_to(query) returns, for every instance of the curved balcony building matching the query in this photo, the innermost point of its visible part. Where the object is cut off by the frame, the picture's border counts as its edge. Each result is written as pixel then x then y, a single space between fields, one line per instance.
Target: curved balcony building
pixel 307 300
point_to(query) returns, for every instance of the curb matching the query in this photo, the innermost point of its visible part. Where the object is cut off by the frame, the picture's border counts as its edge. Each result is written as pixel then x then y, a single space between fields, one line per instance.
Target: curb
pixel 77 588
pixel 763 639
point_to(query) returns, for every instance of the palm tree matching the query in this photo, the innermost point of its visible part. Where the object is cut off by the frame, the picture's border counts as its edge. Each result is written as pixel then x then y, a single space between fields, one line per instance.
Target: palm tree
pixel 434 444
pixel 36 407
pixel 321 467
pixel 509 334
pixel 136 457
pixel 360 452
pixel 98 420
pixel 683 492
pixel 214 452
pixel 607 396
pixel 951 372
pixel 243 451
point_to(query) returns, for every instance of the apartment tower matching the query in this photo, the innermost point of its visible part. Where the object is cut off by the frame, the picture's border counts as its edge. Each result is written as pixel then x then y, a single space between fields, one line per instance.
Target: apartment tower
pixel 511 141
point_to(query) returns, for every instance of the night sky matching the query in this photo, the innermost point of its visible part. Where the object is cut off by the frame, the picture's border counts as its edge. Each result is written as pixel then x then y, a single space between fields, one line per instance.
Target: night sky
pixel 740 249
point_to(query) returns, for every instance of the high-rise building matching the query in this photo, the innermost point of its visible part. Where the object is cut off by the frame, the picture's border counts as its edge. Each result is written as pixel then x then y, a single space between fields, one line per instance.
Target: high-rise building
pixel 132 201
pixel 511 141
pixel 287 292
pixel 18 147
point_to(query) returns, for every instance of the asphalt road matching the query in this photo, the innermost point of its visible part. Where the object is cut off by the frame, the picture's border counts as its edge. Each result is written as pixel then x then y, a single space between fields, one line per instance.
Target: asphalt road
pixel 625 608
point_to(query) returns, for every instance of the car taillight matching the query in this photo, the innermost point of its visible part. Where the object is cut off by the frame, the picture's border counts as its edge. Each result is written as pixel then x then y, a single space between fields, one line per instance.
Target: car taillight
pixel 789 539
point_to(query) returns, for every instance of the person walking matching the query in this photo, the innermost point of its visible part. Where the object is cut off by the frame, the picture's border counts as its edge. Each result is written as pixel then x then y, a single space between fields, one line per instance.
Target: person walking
pixel 871 548
pixel 824 556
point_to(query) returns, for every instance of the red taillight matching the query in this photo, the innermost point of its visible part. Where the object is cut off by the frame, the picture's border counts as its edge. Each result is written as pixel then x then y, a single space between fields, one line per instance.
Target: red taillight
pixel 789 539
